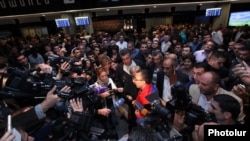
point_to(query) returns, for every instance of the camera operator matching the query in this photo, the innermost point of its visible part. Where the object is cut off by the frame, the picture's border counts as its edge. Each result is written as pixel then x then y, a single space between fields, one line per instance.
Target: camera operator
pixel 226 110
pixel 79 109
pixel 23 62
pixel 25 65
pixel 77 56
pixel 208 87
pixel 21 109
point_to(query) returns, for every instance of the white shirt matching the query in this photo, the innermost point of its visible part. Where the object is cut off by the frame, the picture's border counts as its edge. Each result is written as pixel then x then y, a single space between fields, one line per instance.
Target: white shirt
pixel 165 46
pixel 166 95
pixel 204 103
pixel 217 37
pixel 121 45
pixel 200 56
pixel 127 68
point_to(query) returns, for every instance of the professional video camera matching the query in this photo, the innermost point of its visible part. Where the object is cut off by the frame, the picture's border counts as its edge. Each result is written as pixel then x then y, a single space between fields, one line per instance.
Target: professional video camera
pixel 54 60
pixel 26 84
pixel 195 114
pixel 22 84
pixel 182 101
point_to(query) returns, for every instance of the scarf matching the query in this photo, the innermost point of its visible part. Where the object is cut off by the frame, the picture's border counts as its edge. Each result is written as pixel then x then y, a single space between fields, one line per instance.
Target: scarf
pixel 101 83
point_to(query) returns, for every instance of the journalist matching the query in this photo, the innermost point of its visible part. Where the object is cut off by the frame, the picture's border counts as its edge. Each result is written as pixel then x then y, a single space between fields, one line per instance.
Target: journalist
pixel 226 110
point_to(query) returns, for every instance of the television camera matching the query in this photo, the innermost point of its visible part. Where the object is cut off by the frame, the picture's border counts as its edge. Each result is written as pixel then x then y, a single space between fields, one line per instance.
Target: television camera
pixel 182 101
pixel 27 85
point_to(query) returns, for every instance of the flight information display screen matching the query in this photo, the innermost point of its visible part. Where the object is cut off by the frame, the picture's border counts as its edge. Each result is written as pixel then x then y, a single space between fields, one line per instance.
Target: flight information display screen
pixel 62 22
pixel 82 20
pixel 213 12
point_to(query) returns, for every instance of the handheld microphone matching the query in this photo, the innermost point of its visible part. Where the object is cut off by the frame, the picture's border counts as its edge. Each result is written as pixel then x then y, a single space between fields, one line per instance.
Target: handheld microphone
pixel 140 107
pixel 118 103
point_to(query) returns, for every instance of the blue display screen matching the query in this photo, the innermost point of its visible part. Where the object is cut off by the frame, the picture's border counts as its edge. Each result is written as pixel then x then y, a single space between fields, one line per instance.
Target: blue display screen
pixel 82 20
pixel 213 12
pixel 62 22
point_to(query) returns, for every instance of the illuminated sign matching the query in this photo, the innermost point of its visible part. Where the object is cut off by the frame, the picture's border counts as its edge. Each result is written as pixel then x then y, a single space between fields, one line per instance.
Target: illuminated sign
pixel 213 12
pixel 62 22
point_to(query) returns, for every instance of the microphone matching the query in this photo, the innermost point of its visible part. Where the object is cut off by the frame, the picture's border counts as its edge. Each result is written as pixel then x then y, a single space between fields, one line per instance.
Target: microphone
pixel 100 89
pixel 118 103
pixel 140 107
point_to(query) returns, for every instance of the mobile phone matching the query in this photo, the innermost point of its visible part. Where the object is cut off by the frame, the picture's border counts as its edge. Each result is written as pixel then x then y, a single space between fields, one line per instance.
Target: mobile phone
pixel 9 126
pixel 240 62
pixel 14 131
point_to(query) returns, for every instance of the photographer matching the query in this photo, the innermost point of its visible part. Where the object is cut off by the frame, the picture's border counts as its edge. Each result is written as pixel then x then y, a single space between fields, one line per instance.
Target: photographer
pixel 226 110
pixel 242 71
pixel 208 87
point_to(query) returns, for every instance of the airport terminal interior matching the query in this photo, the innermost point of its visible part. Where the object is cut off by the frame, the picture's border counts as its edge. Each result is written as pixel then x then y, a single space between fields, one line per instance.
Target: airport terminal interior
pixel 124 70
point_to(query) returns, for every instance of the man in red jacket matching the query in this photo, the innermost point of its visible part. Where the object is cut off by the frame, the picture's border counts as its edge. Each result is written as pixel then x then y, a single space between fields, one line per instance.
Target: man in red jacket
pixel 143 82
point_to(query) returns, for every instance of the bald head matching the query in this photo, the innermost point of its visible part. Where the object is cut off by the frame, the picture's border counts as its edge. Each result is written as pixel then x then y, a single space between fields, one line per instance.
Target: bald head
pixel 209 82
pixel 169 61
pixel 211 77
pixel 168 66
pixel 172 56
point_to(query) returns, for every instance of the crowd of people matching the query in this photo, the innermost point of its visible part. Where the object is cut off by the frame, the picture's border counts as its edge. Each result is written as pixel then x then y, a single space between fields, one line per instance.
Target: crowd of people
pixel 213 65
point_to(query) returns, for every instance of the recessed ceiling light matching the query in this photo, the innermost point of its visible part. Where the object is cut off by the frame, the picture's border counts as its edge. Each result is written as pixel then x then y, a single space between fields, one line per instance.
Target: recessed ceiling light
pixel 154 6
pixel 107 9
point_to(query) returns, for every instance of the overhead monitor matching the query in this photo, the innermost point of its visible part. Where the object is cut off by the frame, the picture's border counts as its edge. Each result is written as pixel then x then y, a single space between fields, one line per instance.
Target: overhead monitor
pixel 82 20
pixel 213 12
pixel 241 18
pixel 63 22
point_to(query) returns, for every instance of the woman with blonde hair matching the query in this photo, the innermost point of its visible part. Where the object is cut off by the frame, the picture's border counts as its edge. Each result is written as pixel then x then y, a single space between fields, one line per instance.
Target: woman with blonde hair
pixel 103 80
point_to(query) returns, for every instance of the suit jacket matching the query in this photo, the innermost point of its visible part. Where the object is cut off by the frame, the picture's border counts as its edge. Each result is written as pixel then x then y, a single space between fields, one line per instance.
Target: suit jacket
pixel 160 80
pixel 123 79
pixel 195 93
pixel 27 120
